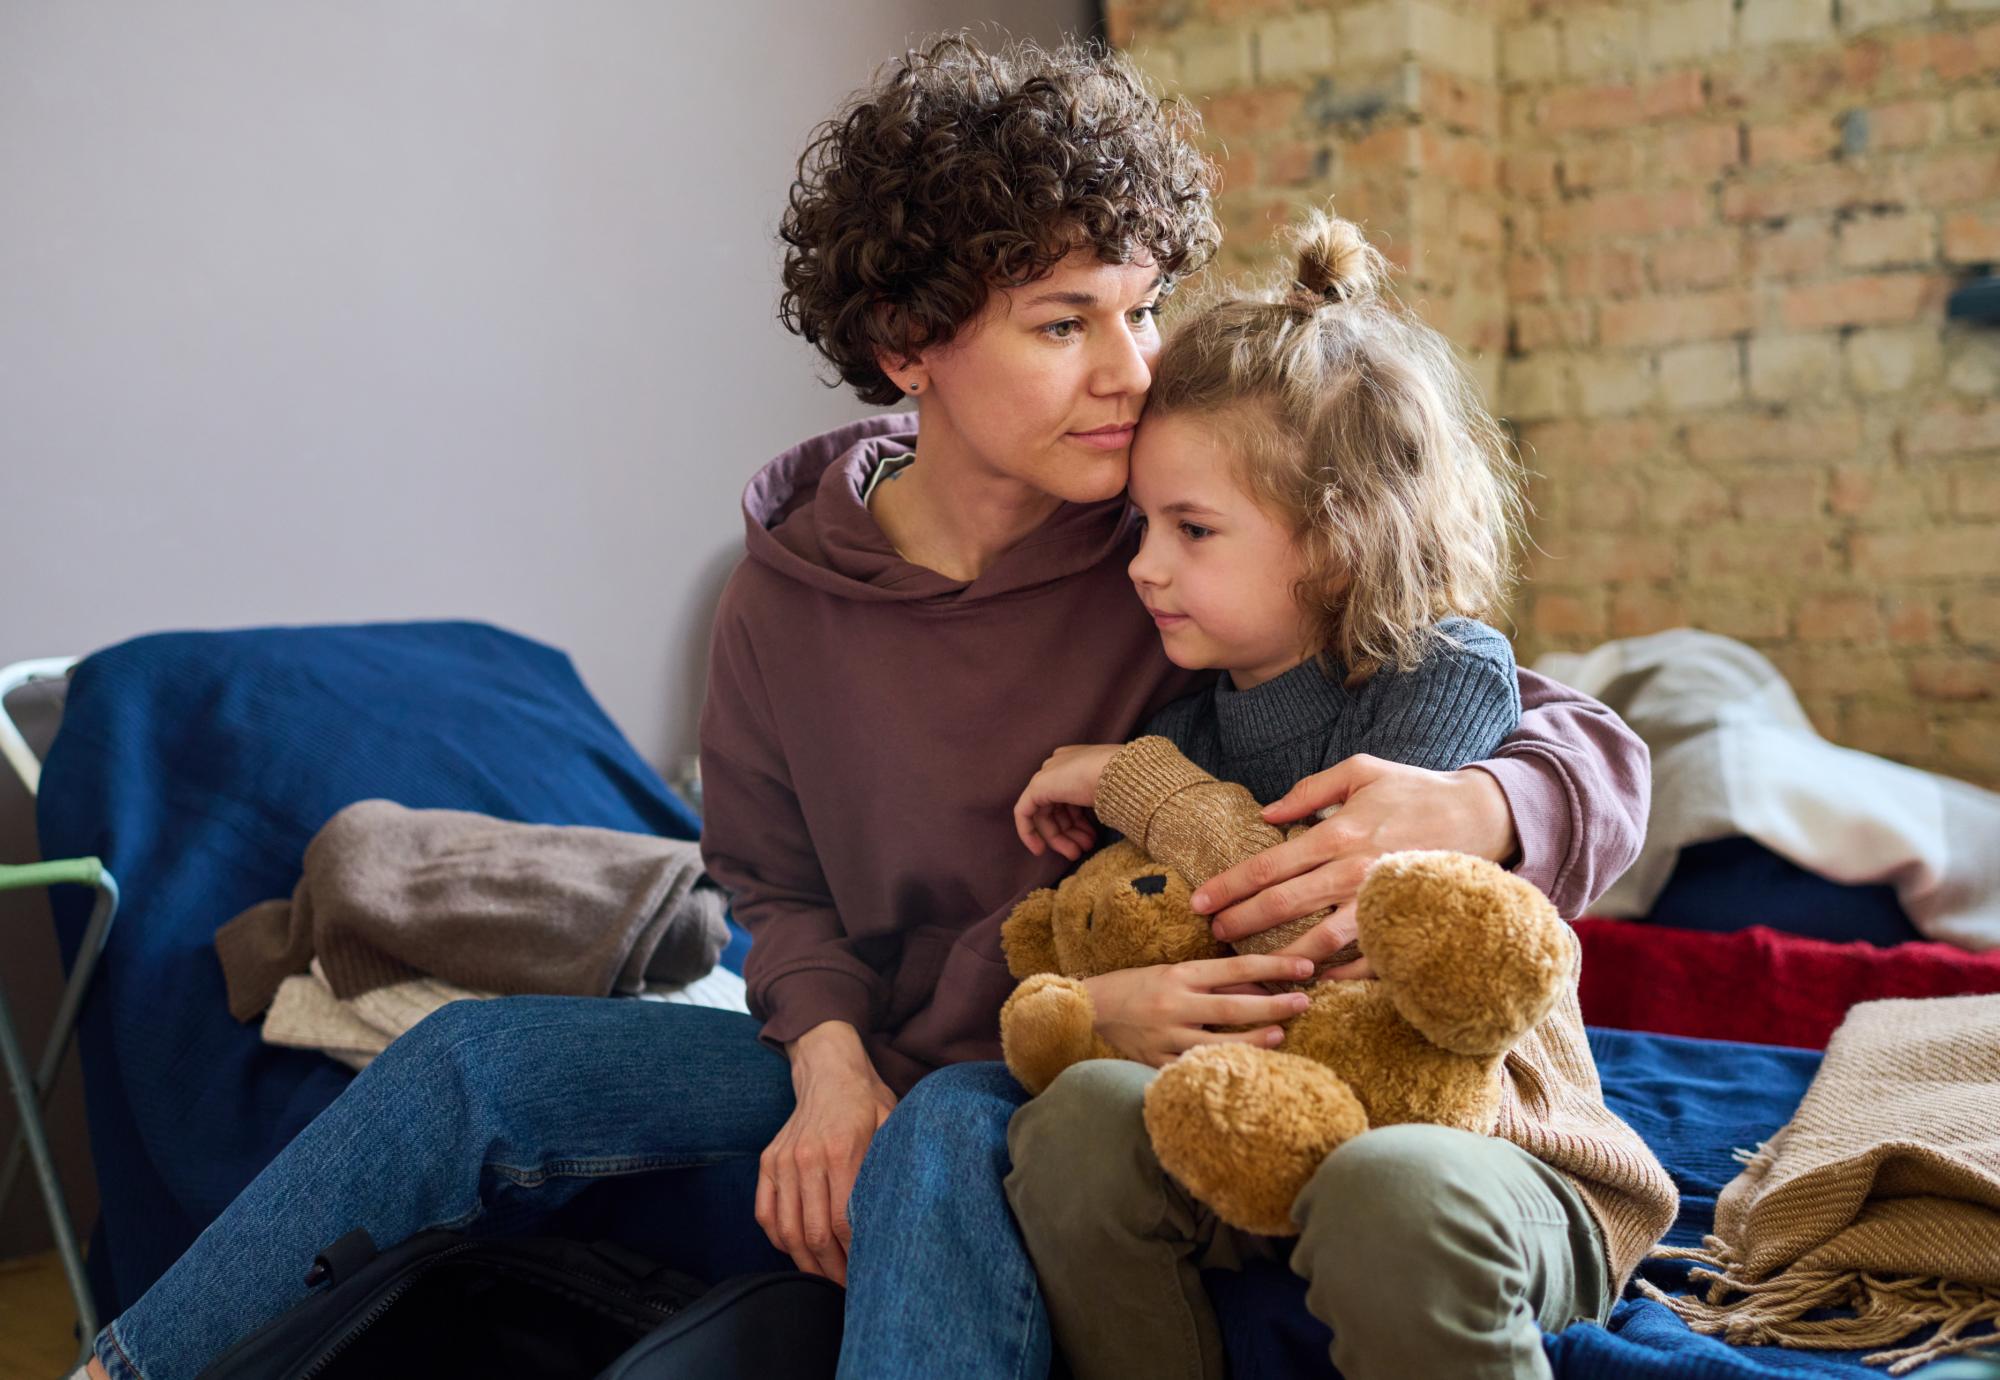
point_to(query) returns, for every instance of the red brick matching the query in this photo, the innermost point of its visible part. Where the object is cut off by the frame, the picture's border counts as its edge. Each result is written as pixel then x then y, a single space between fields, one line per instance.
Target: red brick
pixel 1390 148
pixel 1876 497
pixel 1461 102
pixel 1971 549
pixel 1602 165
pixel 1871 300
pixel 1292 163
pixel 1530 277
pixel 1899 732
pixel 1698 261
pixel 1540 327
pixel 1975 491
pixel 1787 496
pixel 1952 179
pixel 1603 273
pixel 1949 430
pixel 1761 436
pixel 1636 612
pixel 1972 751
pixel 1748 613
pixel 1567 614
pixel 1568 108
pixel 1687 498
pixel 1794 141
pixel 1531 175
pixel 1787 83
pixel 1670 320
pixel 1954 676
pixel 1795 251
pixel 1911 622
pixel 1585 558
pixel 1700 152
pixel 1679 93
pixel 1975 618
pixel 1759 551
pixel 1816 671
pixel 1462 162
pixel 1627 213
pixel 1839 618
pixel 1904 125
pixel 1815 187
pixel 1259 110
pixel 1623 441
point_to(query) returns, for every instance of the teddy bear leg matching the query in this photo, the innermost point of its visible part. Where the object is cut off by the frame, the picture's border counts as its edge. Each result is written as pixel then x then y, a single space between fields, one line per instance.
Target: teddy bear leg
pixel 1244 1129
pixel 1047 1025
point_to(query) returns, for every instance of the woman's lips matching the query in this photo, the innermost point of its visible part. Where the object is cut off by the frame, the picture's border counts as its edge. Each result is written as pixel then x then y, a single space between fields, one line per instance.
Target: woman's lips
pixel 1106 438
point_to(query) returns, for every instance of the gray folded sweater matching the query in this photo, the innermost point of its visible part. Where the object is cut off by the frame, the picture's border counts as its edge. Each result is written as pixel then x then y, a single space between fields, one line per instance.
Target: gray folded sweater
pixel 389 894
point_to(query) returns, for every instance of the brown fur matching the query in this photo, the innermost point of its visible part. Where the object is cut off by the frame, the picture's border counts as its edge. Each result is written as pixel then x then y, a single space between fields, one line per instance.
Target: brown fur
pixel 1469 959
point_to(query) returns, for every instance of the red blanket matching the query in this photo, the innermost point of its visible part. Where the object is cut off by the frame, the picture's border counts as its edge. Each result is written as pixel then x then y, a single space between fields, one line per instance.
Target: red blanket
pixel 1757 985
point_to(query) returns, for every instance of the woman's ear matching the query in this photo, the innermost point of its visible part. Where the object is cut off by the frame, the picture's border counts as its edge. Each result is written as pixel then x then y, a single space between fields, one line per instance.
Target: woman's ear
pixel 1028 936
pixel 907 372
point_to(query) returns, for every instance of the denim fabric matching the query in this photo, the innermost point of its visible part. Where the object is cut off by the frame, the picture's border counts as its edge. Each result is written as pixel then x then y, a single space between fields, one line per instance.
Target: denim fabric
pixel 940 1286
pixel 489 1116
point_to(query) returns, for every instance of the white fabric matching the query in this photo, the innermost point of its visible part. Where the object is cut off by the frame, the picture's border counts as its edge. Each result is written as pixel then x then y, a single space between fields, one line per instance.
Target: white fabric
pixel 305 1014
pixel 1734 753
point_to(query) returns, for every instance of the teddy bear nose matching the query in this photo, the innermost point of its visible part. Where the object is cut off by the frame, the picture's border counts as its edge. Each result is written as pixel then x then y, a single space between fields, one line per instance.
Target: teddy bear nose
pixel 1151 885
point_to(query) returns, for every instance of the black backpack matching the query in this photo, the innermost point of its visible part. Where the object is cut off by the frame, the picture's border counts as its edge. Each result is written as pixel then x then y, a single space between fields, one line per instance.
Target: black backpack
pixel 445 1305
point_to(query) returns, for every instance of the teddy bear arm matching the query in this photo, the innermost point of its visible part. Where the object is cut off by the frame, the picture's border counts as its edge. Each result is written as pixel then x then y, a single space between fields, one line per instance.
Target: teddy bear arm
pixel 1047 1025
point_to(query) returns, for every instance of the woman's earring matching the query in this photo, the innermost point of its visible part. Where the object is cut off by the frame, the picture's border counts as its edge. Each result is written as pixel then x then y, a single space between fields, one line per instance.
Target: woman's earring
pixel 914 387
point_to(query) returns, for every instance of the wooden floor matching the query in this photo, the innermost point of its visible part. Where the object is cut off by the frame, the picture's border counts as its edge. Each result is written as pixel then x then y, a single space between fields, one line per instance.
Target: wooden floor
pixel 37 1320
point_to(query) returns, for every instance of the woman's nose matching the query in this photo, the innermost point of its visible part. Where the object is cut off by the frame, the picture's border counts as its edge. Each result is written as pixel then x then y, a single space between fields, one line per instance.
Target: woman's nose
pixel 1126 366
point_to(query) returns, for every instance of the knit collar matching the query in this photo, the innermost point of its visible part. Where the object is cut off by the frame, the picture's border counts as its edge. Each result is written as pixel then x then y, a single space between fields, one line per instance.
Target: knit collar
pixel 1287 706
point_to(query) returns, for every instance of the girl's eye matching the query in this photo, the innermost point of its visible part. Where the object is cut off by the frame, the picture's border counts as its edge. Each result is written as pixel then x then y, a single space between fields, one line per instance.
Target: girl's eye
pixel 1061 330
pixel 1195 531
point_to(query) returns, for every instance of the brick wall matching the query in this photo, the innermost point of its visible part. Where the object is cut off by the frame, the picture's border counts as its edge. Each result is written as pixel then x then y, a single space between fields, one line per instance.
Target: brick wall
pixel 1697 252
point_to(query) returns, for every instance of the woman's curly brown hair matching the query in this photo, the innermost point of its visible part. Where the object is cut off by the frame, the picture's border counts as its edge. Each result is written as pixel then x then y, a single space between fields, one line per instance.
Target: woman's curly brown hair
pixel 960 169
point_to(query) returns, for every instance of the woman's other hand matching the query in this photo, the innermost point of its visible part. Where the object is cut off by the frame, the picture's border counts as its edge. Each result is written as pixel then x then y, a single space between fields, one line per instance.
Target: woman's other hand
pixel 1050 812
pixel 1384 807
pixel 805 1176
pixel 1158 1013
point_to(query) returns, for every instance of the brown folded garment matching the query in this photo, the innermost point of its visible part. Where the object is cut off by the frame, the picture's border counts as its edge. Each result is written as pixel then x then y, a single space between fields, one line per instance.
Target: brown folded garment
pixel 390 894
pixel 1881 1196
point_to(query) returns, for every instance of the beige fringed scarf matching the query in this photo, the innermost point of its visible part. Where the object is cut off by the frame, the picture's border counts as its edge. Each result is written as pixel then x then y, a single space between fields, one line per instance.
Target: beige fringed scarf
pixel 1881 1196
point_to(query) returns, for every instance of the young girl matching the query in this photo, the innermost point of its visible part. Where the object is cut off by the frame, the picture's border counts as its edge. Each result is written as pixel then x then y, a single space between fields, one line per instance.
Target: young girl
pixel 1327 509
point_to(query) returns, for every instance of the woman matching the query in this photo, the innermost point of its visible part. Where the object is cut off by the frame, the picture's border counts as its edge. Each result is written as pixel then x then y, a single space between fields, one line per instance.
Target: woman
pixel 921 614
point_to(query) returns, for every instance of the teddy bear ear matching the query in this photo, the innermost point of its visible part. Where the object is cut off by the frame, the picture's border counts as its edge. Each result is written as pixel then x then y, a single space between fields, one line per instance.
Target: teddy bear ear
pixel 1028 936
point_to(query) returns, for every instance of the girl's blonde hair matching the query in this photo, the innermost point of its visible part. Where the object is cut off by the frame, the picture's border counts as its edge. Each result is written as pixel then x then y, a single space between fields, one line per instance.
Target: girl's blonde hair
pixel 1357 425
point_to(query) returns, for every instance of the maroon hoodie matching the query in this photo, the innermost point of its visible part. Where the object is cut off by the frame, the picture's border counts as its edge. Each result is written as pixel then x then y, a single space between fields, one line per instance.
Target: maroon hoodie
pixel 870 723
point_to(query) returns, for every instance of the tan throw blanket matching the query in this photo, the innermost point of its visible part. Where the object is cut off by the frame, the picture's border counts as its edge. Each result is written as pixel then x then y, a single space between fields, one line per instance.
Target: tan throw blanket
pixel 390 894
pixel 1881 1196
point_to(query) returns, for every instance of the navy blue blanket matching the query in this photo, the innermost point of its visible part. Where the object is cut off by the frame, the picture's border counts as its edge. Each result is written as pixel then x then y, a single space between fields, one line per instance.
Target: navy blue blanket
pixel 199 765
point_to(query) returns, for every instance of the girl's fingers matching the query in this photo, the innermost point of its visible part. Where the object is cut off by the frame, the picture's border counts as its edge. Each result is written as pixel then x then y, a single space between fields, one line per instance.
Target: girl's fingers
pixel 1212 973
pixel 1024 817
pixel 1263 1038
pixel 1253 1010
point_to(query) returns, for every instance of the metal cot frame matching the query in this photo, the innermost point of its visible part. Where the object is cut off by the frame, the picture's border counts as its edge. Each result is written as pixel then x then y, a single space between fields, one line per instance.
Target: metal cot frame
pixel 31 1091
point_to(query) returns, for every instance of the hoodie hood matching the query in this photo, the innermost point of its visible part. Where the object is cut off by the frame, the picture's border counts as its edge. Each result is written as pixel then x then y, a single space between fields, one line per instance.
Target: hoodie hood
pixel 804 518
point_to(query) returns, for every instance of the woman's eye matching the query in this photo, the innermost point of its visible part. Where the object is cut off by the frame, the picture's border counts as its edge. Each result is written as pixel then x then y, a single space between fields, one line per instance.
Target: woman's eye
pixel 1145 314
pixel 1195 531
pixel 1061 330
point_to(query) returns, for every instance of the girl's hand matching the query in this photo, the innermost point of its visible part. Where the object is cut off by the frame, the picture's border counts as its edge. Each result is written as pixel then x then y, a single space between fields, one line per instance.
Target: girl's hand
pixel 805 1176
pixel 1384 807
pixel 1050 813
pixel 1156 1014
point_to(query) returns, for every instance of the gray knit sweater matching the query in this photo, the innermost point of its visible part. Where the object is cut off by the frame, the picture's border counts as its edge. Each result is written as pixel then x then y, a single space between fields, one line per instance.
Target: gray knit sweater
pixel 1456 707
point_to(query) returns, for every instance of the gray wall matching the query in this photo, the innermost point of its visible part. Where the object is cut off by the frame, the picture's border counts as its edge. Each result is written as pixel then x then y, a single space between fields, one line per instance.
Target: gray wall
pixel 333 312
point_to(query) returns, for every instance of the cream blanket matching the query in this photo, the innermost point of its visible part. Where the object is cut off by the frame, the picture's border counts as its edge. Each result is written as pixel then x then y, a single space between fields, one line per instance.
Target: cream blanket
pixel 1881 1196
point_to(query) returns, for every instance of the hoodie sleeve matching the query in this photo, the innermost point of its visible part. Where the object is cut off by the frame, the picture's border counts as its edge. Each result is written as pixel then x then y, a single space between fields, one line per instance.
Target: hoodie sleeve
pixel 1579 783
pixel 803 968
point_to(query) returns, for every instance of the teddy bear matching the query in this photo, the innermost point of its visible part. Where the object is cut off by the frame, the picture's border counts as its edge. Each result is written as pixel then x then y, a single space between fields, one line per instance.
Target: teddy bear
pixel 1468 959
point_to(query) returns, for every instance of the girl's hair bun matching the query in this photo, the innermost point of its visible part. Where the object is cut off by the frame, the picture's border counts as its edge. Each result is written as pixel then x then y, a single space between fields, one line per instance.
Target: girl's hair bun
pixel 1335 262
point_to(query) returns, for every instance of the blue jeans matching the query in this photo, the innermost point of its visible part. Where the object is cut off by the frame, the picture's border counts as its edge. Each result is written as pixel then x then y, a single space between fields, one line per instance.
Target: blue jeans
pixel 558 1114
pixel 939 1281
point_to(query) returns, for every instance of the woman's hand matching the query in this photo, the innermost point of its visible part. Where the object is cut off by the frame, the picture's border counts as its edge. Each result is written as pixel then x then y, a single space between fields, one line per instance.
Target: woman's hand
pixel 805 1176
pixel 1050 813
pixel 1384 807
pixel 1156 1014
